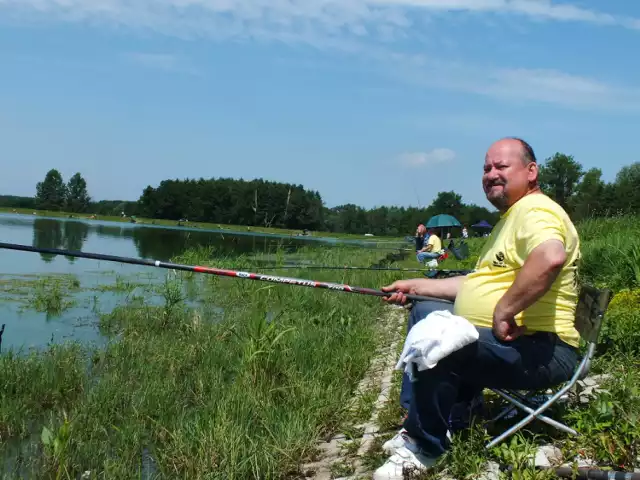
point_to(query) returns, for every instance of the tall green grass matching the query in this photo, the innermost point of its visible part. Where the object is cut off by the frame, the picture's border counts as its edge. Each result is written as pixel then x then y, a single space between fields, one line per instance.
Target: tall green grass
pixel 244 393
pixel 37 382
pixel 611 252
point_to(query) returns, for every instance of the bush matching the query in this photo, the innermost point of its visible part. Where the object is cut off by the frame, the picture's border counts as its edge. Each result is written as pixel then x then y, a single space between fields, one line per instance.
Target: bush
pixel 621 329
pixel 608 423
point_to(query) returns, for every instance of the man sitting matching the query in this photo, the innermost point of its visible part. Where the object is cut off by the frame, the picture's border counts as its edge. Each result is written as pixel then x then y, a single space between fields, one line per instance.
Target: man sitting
pixel 431 249
pixel 521 298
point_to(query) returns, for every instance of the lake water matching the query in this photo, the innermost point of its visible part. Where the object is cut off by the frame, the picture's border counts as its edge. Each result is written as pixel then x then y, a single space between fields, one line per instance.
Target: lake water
pixel 27 328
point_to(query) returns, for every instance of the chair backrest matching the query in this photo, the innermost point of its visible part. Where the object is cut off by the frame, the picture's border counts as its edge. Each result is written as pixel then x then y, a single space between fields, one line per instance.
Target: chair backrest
pixel 461 252
pixel 590 310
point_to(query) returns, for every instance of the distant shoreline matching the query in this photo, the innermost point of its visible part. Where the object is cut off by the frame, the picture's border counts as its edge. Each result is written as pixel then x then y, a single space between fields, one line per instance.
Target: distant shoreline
pixel 195 225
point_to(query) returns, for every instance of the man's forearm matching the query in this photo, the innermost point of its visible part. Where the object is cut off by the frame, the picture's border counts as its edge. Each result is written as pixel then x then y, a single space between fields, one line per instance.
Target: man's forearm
pixel 445 288
pixel 534 279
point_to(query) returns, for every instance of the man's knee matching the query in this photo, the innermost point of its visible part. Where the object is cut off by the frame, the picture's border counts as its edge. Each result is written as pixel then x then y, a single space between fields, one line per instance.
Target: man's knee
pixel 421 309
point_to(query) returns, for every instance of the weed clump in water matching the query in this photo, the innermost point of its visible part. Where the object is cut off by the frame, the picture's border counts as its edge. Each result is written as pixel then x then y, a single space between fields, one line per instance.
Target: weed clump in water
pixel 50 296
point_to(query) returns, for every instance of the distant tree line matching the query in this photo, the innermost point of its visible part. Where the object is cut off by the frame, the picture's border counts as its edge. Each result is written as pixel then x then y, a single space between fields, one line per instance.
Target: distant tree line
pixel 401 220
pixel 272 204
pixel 239 202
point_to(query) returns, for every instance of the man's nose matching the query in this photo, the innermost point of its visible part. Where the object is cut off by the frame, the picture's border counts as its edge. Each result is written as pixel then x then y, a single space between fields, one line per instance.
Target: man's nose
pixel 491 174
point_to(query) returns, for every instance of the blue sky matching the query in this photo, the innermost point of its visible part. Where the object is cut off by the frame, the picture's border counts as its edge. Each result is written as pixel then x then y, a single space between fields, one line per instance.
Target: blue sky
pixel 372 102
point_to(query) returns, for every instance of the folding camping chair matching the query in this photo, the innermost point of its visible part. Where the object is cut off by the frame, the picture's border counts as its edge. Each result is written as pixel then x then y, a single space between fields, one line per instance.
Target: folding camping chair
pixel 590 310
pixel 461 252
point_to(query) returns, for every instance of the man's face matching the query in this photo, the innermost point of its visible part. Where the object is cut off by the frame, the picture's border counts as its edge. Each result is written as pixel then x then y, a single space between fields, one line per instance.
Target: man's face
pixel 506 178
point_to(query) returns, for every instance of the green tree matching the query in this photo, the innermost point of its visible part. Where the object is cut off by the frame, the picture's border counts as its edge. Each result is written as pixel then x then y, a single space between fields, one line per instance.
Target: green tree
pixel 449 203
pixel 78 199
pixel 627 188
pixel 588 200
pixel 559 177
pixel 51 193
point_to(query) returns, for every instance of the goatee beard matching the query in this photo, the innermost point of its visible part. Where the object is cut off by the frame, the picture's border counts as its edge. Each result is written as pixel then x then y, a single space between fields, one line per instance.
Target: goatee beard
pixel 499 202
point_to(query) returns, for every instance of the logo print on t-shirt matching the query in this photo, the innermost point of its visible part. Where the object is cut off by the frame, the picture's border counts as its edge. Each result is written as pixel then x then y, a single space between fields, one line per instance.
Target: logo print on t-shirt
pixel 499 261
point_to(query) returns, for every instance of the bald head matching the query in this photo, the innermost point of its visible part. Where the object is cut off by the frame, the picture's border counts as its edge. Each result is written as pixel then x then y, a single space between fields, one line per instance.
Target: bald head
pixel 510 172
pixel 516 146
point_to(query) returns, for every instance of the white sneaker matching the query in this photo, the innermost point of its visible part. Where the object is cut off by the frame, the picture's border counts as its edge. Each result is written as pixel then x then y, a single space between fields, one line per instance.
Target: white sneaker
pixel 403 459
pixel 400 440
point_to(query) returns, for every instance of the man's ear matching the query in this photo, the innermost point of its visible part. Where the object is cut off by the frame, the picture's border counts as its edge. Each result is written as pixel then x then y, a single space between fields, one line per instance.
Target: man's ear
pixel 532 172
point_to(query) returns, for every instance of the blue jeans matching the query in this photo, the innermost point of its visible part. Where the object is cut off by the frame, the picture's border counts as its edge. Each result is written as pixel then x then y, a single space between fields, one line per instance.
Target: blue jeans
pixel 530 362
pixel 469 399
pixel 422 256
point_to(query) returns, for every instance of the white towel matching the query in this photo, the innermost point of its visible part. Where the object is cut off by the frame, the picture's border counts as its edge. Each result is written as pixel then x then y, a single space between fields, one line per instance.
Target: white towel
pixel 434 337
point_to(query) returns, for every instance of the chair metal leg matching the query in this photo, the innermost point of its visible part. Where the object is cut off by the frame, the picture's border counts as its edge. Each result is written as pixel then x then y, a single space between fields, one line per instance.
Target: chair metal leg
pixel 506 411
pixel 539 416
pixel 533 414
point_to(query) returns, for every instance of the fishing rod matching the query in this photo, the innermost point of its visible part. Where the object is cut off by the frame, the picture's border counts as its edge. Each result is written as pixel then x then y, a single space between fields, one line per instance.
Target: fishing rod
pixel 582 473
pixel 212 271
pixel 347 267
pixel 592 474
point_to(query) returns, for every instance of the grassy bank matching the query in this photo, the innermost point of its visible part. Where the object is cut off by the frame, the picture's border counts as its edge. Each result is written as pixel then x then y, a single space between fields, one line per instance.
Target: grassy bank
pixel 246 389
pixel 192 392
pixel 202 225
pixel 608 423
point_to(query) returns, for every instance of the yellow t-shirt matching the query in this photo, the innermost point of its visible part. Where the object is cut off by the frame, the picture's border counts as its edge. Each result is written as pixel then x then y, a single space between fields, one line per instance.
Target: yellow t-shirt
pixel 532 220
pixel 435 241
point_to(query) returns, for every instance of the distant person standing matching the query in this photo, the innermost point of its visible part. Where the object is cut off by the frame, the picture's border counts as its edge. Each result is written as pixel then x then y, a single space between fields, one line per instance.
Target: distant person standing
pixel 465 233
pixel 419 237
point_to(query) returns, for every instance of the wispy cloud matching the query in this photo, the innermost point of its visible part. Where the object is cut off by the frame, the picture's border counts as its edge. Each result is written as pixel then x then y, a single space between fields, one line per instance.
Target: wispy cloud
pixel 296 18
pixel 422 159
pixel 161 61
pixel 368 29
pixel 516 85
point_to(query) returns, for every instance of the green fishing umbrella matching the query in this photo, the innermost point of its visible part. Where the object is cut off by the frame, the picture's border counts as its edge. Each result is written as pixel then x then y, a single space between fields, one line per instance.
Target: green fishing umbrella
pixel 443 220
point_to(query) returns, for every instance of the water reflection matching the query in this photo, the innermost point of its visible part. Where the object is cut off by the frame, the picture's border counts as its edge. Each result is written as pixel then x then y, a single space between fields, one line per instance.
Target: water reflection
pixel 160 243
pixel 156 243
pixel 50 233
pixel 116 231
pixel 147 241
pixel 75 234
pixel 27 327
pixel 165 243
